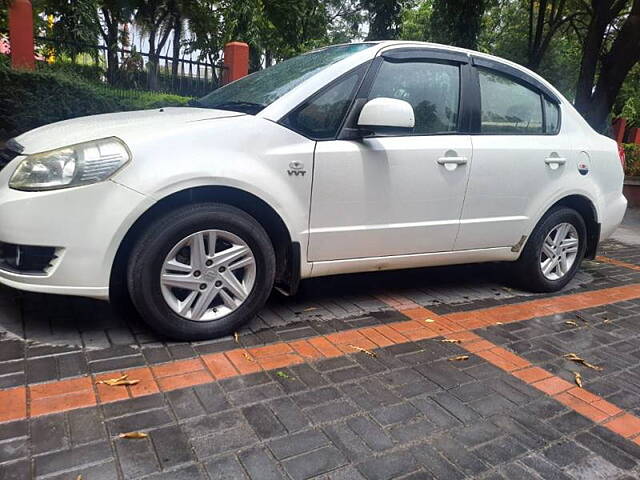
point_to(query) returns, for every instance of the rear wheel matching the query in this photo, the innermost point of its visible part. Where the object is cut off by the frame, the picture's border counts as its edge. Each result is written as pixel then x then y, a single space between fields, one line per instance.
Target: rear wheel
pixel 553 253
pixel 201 271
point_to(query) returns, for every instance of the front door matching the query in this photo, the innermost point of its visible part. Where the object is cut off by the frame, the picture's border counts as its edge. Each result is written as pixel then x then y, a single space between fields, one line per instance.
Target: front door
pixel 395 195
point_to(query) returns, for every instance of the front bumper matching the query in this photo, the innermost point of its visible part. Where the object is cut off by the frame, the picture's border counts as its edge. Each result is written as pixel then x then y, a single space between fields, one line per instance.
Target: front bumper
pixel 84 224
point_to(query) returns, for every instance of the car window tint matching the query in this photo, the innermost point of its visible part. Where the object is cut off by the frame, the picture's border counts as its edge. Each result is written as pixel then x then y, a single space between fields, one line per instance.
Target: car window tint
pixel 507 106
pixel 432 89
pixel 551 116
pixel 321 117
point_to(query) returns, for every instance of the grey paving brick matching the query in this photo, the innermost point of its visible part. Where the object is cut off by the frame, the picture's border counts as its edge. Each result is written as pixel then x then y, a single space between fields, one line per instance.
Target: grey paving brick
pixel 570 422
pixel 330 411
pixel 298 443
pixel 456 408
pixel 14 449
pixel 436 463
pixel 393 414
pixel 136 457
pixel 316 397
pixel 263 421
pixel 259 464
pixel 128 407
pixel 500 450
pixel 8 430
pixel 190 472
pixel 139 421
pixel 221 442
pixel 435 413
pixel 316 462
pixel 171 445
pixel 85 425
pixel 289 414
pixel 370 433
pixel 49 433
pixel 50 463
pixel 492 405
pixel 565 453
pixel 102 471
pixel 185 403
pixel 212 398
pixel 388 466
pixel 256 394
pixel 630 448
pixel 606 450
pixel 457 454
pixel 19 470
pixel 206 425
pixel 347 441
pixel 412 432
pixel 225 468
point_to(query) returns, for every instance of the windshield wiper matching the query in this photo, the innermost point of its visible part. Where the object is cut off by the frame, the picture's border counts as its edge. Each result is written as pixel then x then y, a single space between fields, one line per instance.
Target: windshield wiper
pixel 245 107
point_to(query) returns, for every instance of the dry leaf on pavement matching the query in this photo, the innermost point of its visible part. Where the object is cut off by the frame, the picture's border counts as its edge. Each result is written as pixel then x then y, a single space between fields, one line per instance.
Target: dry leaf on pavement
pixel 364 350
pixel 450 340
pixel 429 320
pixel 578 378
pixel 133 435
pixel 236 337
pixel 118 382
pixel 571 322
pixel 248 357
pixel 459 358
pixel 575 358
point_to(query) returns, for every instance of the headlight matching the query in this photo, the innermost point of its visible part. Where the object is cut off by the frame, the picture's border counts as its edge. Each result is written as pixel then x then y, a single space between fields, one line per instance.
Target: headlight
pixel 80 164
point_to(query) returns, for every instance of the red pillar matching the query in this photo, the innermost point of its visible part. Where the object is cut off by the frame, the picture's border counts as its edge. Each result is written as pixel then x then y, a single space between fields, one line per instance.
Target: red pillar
pixel 619 126
pixel 236 61
pixel 21 34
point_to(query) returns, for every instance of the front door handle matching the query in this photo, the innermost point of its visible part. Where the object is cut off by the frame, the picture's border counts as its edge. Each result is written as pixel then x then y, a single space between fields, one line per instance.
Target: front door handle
pixel 452 160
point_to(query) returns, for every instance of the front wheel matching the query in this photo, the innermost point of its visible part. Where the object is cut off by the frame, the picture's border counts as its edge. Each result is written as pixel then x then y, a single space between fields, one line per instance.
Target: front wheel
pixel 553 253
pixel 201 271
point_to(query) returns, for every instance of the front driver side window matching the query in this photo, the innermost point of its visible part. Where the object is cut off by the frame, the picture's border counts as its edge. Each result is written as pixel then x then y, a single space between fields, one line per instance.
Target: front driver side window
pixel 432 89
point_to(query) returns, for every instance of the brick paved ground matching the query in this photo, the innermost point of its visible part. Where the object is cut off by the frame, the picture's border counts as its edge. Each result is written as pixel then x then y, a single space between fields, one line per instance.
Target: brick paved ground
pixel 323 409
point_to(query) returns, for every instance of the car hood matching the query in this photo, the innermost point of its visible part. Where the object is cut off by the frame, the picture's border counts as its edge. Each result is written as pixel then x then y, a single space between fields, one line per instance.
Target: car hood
pixel 123 125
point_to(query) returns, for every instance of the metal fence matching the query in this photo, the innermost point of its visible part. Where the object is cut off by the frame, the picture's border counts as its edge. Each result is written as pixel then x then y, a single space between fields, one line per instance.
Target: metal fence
pixel 135 72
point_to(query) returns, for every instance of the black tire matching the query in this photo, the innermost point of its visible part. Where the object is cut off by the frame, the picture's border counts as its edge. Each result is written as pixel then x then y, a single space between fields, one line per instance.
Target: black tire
pixel 147 257
pixel 527 273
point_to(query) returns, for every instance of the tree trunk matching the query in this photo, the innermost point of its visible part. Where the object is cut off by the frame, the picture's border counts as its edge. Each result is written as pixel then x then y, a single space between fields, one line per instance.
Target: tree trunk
pixel 111 43
pixel 152 64
pixel 177 37
pixel 595 103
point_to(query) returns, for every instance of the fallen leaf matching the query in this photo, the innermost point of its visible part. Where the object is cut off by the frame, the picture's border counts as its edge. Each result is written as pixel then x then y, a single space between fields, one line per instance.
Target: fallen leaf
pixel 248 357
pixel 606 320
pixel 282 374
pixel 450 340
pixel 429 320
pixel 571 322
pixel 459 358
pixel 499 323
pixel 236 337
pixel 133 435
pixel 310 309
pixel 363 350
pixel 578 378
pixel 118 382
pixel 575 358
pixel 79 477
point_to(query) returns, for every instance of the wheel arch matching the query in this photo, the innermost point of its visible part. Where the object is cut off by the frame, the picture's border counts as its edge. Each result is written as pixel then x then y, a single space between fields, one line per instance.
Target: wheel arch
pixel 287 252
pixel 586 208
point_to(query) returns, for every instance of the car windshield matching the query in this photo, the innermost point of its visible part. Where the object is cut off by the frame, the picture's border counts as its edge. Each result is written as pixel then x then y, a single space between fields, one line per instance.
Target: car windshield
pixel 254 92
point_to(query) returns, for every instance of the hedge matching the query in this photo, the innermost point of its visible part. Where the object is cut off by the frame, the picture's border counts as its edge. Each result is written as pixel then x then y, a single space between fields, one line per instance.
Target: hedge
pixel 31 99
pixel 632 155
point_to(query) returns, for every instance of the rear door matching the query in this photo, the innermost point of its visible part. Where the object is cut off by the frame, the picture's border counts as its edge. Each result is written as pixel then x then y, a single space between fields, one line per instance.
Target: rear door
pixel 519 160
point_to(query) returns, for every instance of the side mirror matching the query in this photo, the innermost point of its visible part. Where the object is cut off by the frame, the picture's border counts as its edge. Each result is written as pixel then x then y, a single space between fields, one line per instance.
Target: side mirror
pixel 387 114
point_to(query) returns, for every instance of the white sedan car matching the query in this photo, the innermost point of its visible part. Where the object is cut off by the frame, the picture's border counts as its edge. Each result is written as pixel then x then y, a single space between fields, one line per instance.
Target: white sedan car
pixel 351 158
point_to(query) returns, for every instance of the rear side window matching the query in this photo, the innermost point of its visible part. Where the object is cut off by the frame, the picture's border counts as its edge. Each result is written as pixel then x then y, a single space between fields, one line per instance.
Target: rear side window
pixel 508 107
pixel 321 116
pixel 432 89
pixel 551 117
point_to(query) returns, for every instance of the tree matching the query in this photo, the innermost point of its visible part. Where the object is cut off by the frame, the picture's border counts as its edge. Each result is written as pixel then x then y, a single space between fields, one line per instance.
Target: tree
pixel 157 18
pixel 416 21
pixel 113 14
pixel 545 17
pixel 385 18
pixel 612 42
pixel 457 22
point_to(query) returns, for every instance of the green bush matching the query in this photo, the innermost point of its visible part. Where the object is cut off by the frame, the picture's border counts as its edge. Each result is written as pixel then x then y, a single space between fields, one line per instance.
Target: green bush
pixel 31 99
pixel 632 155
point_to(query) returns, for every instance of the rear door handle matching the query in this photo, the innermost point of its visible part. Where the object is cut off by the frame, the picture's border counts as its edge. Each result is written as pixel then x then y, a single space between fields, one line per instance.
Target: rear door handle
pixel 555 160
pixel 452 160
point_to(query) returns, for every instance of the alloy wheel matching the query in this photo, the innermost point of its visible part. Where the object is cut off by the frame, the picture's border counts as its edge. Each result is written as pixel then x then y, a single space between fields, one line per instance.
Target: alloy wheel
pixel 559 251
pixel 207 275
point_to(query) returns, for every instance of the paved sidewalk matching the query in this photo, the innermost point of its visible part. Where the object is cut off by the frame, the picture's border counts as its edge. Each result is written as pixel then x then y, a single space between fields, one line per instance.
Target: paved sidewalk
pixel 467 380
